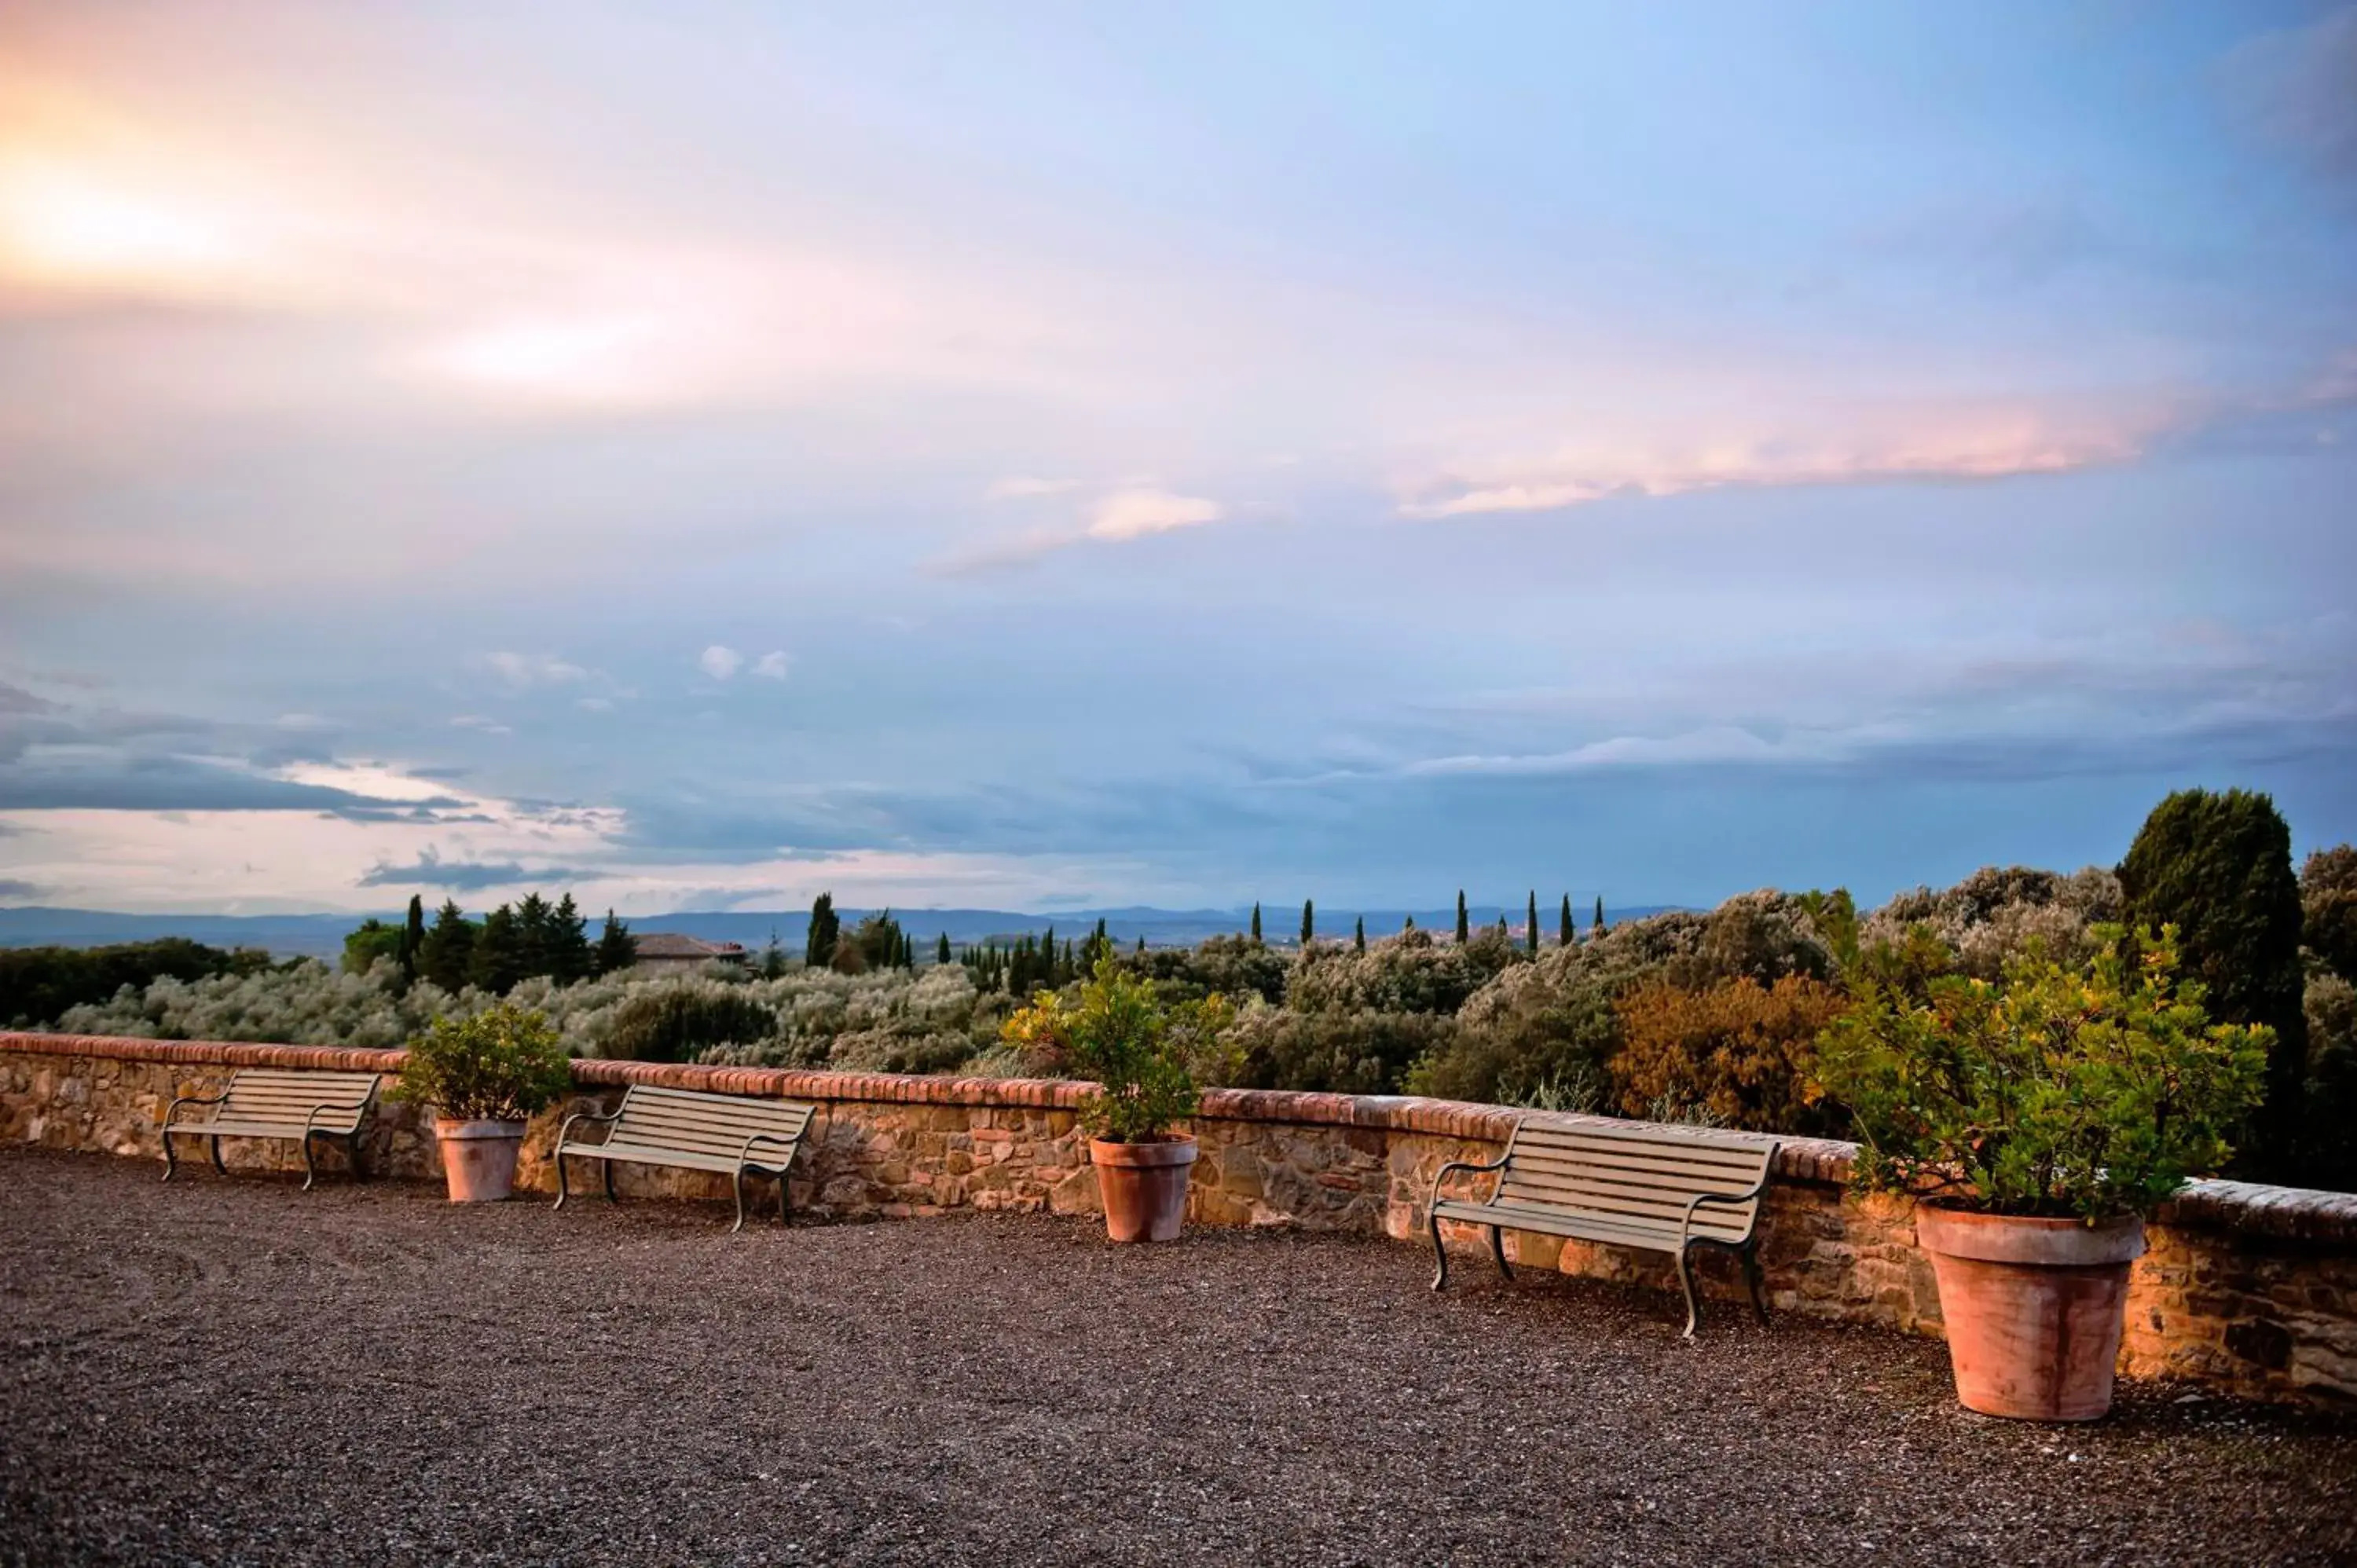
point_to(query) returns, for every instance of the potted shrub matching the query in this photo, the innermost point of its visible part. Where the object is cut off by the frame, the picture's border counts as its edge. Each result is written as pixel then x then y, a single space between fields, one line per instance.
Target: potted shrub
pixel 1147 1057
pixel 485 1076
pixel 2037 1121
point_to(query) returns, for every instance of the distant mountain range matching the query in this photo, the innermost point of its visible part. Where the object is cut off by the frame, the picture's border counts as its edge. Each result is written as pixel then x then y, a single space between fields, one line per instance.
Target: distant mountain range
pixel 322 936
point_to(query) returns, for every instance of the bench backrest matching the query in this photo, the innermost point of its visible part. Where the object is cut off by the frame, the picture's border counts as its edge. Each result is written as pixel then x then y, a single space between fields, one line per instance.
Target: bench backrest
pixel 290 1095
pixel 704 1124
pixel 1648 1174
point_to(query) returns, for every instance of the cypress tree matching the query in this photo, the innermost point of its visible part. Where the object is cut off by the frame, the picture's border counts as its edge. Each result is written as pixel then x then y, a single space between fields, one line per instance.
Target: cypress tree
pixel 1407 923
pixel 1598 929
pixel 448 949
pixel 1464 931
pixel 773 957
pixel 1359 936
pixel 616 948
pixel 413 937
pixel 825 931
pixel 1565 936
pixel 1141 942
pixel 1531 924
pixel 535 935
pixel 1255 934
pixel 1309 922
pixel 942 950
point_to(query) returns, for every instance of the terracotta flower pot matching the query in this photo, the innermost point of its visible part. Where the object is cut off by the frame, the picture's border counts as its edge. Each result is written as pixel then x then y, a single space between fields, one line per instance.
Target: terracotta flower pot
pixel 478 1158
pixel 1143 1186
pixel 2034 1308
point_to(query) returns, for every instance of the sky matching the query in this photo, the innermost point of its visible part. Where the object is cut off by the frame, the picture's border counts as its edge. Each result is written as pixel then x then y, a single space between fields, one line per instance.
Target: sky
pixel 1049 455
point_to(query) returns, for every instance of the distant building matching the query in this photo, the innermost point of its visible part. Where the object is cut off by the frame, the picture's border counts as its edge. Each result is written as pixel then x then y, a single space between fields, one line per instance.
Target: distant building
pixel 670 952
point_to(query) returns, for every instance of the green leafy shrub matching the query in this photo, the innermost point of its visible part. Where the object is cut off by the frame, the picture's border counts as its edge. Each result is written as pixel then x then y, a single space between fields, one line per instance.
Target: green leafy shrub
pixel 502 1064
pixel 2092 1093
pixel 37 985
pixel 1741 1053
pixel 1148 1057
pixel 2327 1154
pixel 1410 973
pixel 676 1023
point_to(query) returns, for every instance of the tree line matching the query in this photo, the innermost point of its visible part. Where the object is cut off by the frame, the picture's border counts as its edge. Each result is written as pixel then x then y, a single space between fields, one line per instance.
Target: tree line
pixel 510 944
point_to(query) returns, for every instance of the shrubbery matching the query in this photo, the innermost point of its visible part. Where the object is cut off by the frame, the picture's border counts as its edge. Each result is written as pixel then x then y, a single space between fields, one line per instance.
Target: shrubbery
pixel 1743 1053
pixel 38 985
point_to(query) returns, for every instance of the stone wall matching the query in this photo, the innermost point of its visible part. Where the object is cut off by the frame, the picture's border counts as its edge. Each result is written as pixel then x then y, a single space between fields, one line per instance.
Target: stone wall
pixel 2245 1289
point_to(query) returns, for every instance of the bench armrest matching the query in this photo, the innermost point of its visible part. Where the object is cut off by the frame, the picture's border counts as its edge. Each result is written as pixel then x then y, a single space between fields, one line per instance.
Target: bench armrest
pixel 566 1129
pixel 1442 1175
pixel 172 1109
pixel 746 1153
pixel 1727 1199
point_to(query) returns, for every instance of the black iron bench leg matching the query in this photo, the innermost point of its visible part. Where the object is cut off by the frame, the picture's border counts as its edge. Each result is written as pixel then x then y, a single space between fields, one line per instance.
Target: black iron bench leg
pixel 170 1164
pixel 1439 1254
pixel 563 1192
pixel 1751 1278
pixel 785 1203
pixel 1685 1278
pixel 737 1185
pixel 609 1165
pixel 217 1159
pixel 353 1152
pixel 1498 1251
pixel 310 1171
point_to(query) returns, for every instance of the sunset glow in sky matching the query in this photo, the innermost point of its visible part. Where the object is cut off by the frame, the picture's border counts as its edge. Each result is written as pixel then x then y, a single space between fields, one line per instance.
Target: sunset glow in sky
pixel 1050 456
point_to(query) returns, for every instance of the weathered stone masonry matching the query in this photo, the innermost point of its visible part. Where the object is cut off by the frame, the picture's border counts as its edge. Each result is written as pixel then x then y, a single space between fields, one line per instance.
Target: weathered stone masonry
pixel 2246 1289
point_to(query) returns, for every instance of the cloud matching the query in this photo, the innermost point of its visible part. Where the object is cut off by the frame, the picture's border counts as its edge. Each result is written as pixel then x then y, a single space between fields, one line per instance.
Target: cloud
pixel 430 870
pixel 1136 512
pixel 58 779
pixel 481 721
pixel 523 671
pixel 11 887
pixel 593 705
pixel 2297 89
pixel 16 700
pixel 1964 446
pixel 719 663
pixel 772 666
pixel 1020 487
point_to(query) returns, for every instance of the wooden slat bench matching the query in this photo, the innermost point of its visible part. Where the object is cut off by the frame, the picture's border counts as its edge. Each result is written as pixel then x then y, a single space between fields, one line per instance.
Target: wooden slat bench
pixel 1664 1189
pixel 271 1102
pixel 679 1127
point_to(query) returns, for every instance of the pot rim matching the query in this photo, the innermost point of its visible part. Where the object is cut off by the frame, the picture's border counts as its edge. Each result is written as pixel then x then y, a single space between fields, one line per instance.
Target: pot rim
pixel 1179 1149
pixel 477 1127
pixel 2028 1239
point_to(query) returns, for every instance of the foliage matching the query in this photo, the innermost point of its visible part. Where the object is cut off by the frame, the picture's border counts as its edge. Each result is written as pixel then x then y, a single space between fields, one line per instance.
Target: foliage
pixel 1345 1053
pixel 2328 908
pixel 1410 973
pixel 677 1023
pixel 2218 867
pixel 1994 915
pixel 2328 1151
pixel 1230 966
pixel 368 941
pixel 502 1064
pixel 450 951
pixel 825 931
pixel 39 985
pixel 1740 1051
pixel 2093 1091
pixel 1146 1056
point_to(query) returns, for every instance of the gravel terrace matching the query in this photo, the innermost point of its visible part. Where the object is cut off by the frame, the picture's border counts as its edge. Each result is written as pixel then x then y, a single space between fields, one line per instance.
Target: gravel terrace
pixel 234 1372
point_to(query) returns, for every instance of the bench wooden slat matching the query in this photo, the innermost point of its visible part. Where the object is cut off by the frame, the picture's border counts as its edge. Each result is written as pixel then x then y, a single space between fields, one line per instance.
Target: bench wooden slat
pixel 690 1118
pixel 1645 1176
pixel 1622 1200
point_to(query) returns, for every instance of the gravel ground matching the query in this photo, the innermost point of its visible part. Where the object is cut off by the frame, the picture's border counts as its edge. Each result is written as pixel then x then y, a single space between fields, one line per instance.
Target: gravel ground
pixel 234 1372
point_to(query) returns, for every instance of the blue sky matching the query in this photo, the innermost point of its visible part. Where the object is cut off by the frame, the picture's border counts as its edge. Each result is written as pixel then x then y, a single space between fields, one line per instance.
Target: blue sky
pixel 1055 455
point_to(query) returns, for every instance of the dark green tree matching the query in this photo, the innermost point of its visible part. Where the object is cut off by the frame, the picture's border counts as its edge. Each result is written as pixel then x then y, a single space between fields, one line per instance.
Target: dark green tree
pixel 2218 867
pixel 413 937
pixel 941 949
pixel 825 931
pixel 1464 929
pixel 498 960
pixel 2328 908
pixel 448 949
pixel 1531 924
pixel 535 935
pixel 616 948
pixel 773 957
pixel 1255 931
pixel 567 951
pixel 1563 934
pixel 1308 921
pixel 1597 927
pixel 1359 936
